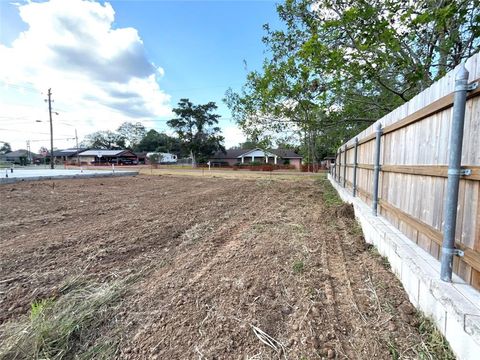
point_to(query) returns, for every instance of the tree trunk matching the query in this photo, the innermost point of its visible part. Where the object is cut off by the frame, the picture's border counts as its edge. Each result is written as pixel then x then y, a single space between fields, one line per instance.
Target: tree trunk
pixel 193 158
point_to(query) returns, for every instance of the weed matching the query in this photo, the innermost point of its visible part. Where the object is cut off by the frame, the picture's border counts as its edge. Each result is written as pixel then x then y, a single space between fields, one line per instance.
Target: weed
pixel 38 308
pixel 329 194
pixel 355 229
pixel 382 259
pixel 433 345
pixel 67 326
pixel 392 349
pixel 298 267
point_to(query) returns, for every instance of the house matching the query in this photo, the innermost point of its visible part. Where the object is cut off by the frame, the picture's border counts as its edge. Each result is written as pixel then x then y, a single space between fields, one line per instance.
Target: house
pixel 101 156
pixel 19 157
pixel 164 158
pixel 328 162
pixel 141 157
pixel 257 155
pixel 67 155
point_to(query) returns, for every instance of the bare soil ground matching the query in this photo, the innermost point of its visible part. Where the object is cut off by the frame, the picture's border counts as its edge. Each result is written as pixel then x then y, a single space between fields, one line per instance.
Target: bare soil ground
pixel 217 259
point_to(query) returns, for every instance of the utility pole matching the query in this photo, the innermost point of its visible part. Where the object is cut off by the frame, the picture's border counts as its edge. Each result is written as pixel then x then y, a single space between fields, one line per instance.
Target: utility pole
pixel 29 157
pixel 51 127
pixel 76 140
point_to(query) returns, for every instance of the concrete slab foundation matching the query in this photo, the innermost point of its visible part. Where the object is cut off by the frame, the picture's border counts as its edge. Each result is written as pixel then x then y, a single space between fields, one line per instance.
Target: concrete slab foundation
pixel 8 177
pixel 454 307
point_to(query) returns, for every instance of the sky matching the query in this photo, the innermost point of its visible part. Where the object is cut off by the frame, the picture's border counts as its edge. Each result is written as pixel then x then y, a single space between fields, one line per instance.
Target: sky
pixel 116 61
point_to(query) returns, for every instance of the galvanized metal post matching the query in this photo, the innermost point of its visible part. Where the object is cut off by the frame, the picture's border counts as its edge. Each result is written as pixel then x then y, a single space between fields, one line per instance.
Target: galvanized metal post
pixel 339 165
pixel 376 168
pixel 335 168
pixel 345 167
pixel 454 172
pixel 355 164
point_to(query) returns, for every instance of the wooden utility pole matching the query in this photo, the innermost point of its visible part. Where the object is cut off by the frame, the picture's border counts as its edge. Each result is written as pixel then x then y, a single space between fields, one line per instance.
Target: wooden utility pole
pixel 76 140
pixel 51 127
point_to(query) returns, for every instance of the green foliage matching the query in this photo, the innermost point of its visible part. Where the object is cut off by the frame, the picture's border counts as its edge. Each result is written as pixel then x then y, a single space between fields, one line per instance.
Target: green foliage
pixel 433 345
pixel 338 66
pixel 5 148
pixel 38 308
pixel 329 194
pixel 155 158
pixel 196 128
pixel 159 142
pixel 298 267
pixel 66 327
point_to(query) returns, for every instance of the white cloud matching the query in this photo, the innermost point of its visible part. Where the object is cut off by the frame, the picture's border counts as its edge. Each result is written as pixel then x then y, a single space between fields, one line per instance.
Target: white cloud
pixel 100 76
pixel 233 136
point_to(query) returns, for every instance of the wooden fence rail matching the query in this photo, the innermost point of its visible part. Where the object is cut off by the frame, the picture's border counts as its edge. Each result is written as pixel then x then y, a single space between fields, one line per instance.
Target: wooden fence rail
pixel 414 165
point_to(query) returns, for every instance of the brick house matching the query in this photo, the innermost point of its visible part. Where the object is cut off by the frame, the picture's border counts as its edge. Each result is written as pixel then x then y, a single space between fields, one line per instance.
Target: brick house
pixel 268 156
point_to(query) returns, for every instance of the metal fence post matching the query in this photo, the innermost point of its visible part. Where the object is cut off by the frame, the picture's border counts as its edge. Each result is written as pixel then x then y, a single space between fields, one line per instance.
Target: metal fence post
pixel 376 168
pixel 335 168
pixel 454 173
pixel 355 164
pixel 339 164
pixel 345 167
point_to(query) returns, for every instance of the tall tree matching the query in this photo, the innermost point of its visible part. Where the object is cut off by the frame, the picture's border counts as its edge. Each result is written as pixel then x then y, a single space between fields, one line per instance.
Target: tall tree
pixel 104 140
pixel 159 142
pixel 132 134
pixel 5 148
pixel 339 65
pixel 196 128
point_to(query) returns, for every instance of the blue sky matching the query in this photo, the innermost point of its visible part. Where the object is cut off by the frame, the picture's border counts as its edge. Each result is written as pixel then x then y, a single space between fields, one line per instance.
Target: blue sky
pixel 124 57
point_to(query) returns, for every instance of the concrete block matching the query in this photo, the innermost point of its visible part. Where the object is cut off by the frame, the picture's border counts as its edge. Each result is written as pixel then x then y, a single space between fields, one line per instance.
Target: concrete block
pixel 454 307
pixel 460 341
pixel 432 307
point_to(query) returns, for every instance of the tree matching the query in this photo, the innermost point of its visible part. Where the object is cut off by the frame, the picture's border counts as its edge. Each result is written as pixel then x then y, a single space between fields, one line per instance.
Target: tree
pixel 195 127
pixel 132 134
pixel 159 142
pixel 155 158
pixel 5 148
pixel 104 140
pixel 339 65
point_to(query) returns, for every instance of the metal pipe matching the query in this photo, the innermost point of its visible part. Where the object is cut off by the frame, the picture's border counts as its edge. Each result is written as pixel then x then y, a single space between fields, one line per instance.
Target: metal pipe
pixel 339 165
pixel 334 170
pixel 355 164
pixel 336 166
pixel 376 168
pixel 345 167
pixel 454 172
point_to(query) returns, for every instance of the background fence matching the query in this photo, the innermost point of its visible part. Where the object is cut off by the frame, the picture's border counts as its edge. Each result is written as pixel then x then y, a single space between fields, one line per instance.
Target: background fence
pixel 414 153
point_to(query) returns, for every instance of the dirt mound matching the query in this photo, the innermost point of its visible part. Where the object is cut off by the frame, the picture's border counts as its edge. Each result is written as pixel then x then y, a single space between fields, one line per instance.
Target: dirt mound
pixel 345 210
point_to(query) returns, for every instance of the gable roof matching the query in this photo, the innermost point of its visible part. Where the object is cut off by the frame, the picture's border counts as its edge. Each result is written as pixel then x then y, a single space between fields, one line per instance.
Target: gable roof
pixel 17 153
pixel 103 152
pixel 286 153
pixel 68 152
pixel 236 153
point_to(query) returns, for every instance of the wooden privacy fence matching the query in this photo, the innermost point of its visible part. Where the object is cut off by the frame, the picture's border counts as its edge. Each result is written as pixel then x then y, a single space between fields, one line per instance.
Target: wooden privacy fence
pixel 412 181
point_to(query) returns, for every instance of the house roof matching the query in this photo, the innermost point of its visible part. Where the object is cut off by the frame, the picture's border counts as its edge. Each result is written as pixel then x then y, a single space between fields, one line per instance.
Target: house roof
pixel 103 152
pixel 236 153
pixel 286 153
pixel 67 152
pixel 17 153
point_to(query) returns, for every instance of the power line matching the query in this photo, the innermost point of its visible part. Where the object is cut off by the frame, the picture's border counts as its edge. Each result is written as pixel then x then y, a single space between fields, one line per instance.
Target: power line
pixel 26 131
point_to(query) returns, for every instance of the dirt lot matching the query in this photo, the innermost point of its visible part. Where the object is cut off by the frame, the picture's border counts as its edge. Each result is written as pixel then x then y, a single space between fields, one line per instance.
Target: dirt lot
pixel 216 260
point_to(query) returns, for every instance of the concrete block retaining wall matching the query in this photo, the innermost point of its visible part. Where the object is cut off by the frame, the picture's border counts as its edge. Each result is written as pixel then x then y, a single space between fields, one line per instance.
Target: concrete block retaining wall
pixel 454 307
